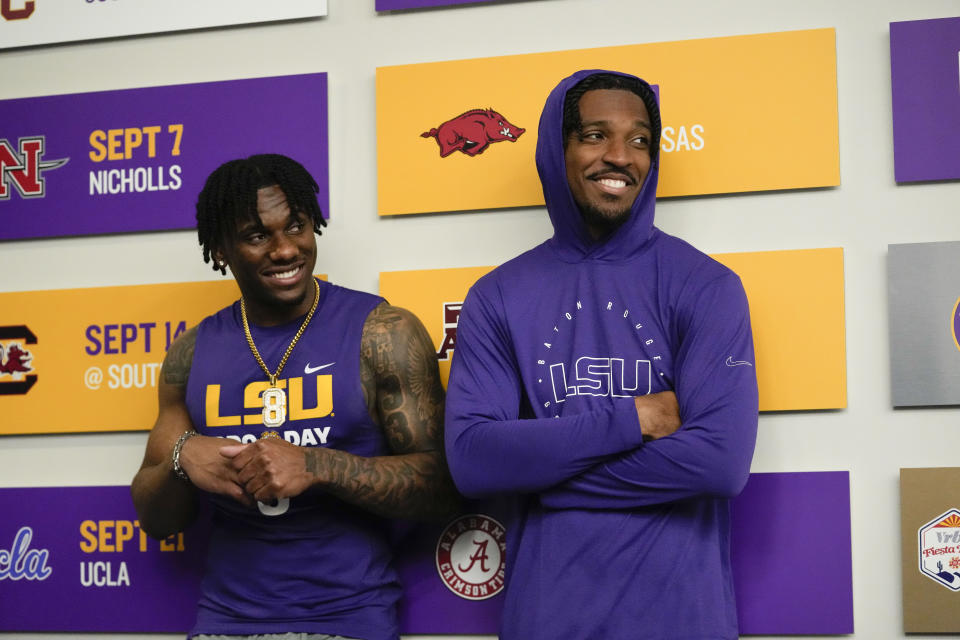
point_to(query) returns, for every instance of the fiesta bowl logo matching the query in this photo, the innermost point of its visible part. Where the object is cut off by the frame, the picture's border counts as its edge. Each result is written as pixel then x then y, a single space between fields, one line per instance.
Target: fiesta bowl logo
pixel 940 549
pixel 472 132
pixel 471 554
pixel 16 362
pixel 23 169
pixel 955 324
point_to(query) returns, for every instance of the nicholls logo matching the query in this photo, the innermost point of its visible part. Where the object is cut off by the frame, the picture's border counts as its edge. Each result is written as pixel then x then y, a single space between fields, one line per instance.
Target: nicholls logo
pixel 23 169
pixel 9 12
pixel 471 555
pixel 451 315
pixel 601 377
pixel 472 132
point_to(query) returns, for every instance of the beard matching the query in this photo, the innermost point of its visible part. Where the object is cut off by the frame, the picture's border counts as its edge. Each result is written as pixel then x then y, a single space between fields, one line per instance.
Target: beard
pixel 602 222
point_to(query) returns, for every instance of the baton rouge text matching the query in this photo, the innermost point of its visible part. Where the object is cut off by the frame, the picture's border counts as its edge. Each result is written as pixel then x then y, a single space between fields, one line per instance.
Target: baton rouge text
pixel 118 339
pixel 135 143
pixel 112 536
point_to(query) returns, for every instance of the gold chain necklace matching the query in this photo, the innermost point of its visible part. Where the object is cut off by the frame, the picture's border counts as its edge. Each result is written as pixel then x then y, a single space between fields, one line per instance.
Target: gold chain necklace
pixel 274 400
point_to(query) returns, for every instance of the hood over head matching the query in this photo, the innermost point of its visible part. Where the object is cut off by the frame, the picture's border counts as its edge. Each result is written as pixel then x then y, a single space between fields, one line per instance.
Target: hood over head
pixel 571 238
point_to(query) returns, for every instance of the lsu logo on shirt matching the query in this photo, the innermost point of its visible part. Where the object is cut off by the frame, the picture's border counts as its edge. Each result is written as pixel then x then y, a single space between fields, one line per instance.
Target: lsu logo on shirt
pixel 253 404
pixel 590 376
pixel 23 168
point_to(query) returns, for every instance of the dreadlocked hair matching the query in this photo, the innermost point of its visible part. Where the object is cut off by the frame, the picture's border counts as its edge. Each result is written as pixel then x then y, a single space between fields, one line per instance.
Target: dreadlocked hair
pixel 571 103
pixel 230 195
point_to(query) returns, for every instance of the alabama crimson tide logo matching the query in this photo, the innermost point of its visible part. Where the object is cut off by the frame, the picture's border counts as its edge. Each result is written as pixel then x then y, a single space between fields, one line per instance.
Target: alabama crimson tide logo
pixel 470 556
pixel 22 169
pixel 940 549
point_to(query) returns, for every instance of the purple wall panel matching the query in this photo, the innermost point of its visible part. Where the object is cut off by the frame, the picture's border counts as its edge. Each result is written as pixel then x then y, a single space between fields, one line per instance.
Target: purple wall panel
pixel 925 76
pixel 790 551
pixel 83 566
pixel 136 159
pixel 388 5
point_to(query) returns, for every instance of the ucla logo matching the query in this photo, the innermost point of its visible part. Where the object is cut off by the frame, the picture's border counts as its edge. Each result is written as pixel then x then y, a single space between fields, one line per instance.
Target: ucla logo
pixel 939 549
pixel 22 562
pixel 471 555
pixel 23 169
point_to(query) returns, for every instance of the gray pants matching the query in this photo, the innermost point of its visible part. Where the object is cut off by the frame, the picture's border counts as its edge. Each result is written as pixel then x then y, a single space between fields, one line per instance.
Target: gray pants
pixel 275 636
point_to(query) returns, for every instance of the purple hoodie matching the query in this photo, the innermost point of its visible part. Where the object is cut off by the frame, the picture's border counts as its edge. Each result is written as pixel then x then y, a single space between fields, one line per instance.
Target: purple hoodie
pixel 612 537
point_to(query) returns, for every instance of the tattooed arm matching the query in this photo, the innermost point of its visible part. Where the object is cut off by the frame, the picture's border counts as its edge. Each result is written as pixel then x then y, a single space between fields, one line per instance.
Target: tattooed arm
pixel 165 504
pixel 401 385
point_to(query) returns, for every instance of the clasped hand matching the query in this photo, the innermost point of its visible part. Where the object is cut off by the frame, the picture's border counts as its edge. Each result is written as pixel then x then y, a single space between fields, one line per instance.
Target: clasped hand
pixel 268 469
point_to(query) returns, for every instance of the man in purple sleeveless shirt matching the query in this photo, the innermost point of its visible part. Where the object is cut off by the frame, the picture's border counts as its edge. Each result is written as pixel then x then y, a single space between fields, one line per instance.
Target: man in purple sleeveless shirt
pixel 306 413
pixel 605 380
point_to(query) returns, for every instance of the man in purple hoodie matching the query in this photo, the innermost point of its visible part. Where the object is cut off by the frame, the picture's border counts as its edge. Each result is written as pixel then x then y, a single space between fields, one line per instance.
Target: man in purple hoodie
pixel 605 380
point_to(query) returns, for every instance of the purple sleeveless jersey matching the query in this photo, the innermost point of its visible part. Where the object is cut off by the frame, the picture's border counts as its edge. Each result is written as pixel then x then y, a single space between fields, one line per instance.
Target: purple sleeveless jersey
pixel 312 563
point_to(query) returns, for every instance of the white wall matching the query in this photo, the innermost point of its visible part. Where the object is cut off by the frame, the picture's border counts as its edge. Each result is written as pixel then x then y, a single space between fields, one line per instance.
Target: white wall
pixel 863 215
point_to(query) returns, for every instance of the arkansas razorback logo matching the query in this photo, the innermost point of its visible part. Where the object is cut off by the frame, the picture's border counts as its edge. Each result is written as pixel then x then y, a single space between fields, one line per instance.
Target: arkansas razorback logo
pixel 472 132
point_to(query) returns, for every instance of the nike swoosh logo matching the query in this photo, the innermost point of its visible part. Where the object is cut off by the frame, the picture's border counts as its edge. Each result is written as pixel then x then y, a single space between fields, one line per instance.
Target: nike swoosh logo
pixel 736 363
pixel 308 369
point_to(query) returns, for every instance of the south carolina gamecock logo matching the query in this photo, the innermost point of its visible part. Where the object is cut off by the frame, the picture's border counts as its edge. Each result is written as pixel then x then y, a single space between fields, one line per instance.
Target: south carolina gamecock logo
pixel 21 12
pixel 940 549
pixel 16 361
pixel 472 132
pixel 470 556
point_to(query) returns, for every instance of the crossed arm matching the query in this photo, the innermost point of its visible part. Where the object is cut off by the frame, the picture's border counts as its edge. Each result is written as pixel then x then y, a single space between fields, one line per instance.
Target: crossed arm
pixel 625 456
pixel 401 386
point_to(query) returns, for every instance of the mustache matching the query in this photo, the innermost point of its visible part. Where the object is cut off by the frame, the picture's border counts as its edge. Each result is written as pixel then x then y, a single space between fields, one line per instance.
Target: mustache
pixel 608 172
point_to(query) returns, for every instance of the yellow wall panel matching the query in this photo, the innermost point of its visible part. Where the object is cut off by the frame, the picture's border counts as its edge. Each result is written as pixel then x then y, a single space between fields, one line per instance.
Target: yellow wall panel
pixel 740 113
pixel 797 312
pixel 434 296
pixel 796 309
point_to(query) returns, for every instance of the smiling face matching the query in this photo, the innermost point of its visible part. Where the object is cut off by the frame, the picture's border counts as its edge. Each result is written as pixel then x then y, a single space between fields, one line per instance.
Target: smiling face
pixel 272 260
pixel 608 158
